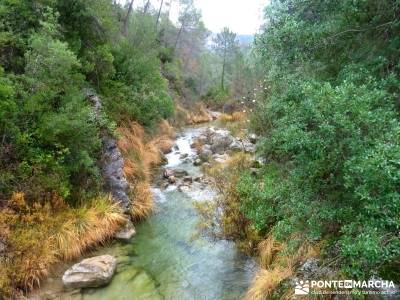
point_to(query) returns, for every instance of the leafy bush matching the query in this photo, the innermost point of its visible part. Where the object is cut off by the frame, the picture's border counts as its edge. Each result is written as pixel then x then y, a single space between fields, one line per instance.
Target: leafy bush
pixel 331 128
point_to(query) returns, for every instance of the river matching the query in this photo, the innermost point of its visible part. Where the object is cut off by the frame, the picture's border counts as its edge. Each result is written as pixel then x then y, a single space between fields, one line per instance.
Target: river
pixel 168 258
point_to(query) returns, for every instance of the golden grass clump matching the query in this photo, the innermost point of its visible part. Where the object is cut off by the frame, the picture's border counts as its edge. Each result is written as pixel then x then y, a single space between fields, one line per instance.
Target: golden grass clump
pixel 165 129
pixel 277 264
pixel 199 115
pixel 266 281
pixel 41 234
pixel 89 225
pixel 141 154
pixel 237 116
pixel 143 201
pixel 225 118
pixel 267 251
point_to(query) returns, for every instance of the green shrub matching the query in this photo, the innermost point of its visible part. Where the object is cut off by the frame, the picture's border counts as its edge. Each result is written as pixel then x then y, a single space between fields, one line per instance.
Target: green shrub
pixel 329 121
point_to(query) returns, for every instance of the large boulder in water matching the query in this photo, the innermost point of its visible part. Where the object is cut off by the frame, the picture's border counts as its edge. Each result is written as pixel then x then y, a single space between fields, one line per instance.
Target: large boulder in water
pixel 91 272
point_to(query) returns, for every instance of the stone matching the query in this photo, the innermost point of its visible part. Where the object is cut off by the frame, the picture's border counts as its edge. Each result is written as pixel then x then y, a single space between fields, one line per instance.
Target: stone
pixel 198 179
pixel 220 158
pixel 112 162
pixel 235 146
pixel 188 179
pixel 253 138
pixel 221 142
pixel 205 155
pixel 171 179
pixel 91 272
pixel 183 188
pixel 249 147
pixel 126 233
pixel 113 172
pixel 180 173
pixel 184 155
pixel 167 173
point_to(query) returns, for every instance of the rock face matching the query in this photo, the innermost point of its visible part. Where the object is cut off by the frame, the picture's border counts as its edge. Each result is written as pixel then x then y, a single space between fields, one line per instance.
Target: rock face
pixel 126 233
pixel 91 272
pixel 112 162
pixel 113 172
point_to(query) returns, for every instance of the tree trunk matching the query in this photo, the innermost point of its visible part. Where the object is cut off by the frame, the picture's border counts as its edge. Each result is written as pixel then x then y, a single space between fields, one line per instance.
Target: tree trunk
pixel 159 13
pixel 126 21
pixel 178 36
pixel 146 7
pixel 223 67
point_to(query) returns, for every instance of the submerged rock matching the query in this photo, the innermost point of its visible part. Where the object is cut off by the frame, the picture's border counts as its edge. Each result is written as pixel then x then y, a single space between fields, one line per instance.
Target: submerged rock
pixel 126 233
pixel 91 272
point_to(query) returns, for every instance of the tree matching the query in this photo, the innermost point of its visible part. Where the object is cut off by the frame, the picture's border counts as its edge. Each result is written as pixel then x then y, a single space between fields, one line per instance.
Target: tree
pixel 225 45
pixel 159 13
pixel 126 21
pixel 146 7
pixel 188 17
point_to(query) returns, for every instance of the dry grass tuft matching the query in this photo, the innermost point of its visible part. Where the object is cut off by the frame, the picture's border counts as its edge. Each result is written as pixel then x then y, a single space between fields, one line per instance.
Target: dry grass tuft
pixel 277 265
pixel 266 281
pixel 165 129
pixel 200 115
pixel 143 201
pixel 267 251
pixel 164 144
pixel 197 115
pixel 40 235
pixel 90 225
pixel 141 154
pixel 237 116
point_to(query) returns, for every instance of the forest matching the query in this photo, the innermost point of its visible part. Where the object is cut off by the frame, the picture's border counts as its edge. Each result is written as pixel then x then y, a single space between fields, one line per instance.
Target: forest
pixel 318 87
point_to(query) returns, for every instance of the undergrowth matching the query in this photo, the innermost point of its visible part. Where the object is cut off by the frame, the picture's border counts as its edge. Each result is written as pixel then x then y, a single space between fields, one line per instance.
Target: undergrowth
pixel 40 234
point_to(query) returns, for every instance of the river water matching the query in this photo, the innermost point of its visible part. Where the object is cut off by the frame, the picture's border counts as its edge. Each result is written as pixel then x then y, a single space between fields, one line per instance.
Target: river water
pixel 168 258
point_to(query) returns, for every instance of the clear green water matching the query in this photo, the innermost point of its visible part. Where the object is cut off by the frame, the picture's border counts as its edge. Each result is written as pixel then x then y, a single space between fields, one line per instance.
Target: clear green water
pixel 168 259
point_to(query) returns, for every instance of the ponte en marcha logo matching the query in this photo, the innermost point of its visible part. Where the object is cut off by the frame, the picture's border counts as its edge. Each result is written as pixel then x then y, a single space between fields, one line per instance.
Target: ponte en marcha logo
pixel 309 287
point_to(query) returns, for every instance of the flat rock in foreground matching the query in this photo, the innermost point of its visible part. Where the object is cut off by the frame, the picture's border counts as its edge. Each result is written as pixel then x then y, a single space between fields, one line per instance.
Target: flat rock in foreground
pixel 91 272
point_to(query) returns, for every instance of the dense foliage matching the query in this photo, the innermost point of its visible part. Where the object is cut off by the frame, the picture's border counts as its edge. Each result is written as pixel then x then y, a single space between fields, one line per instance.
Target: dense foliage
pixel 330 127
pixel 51 51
